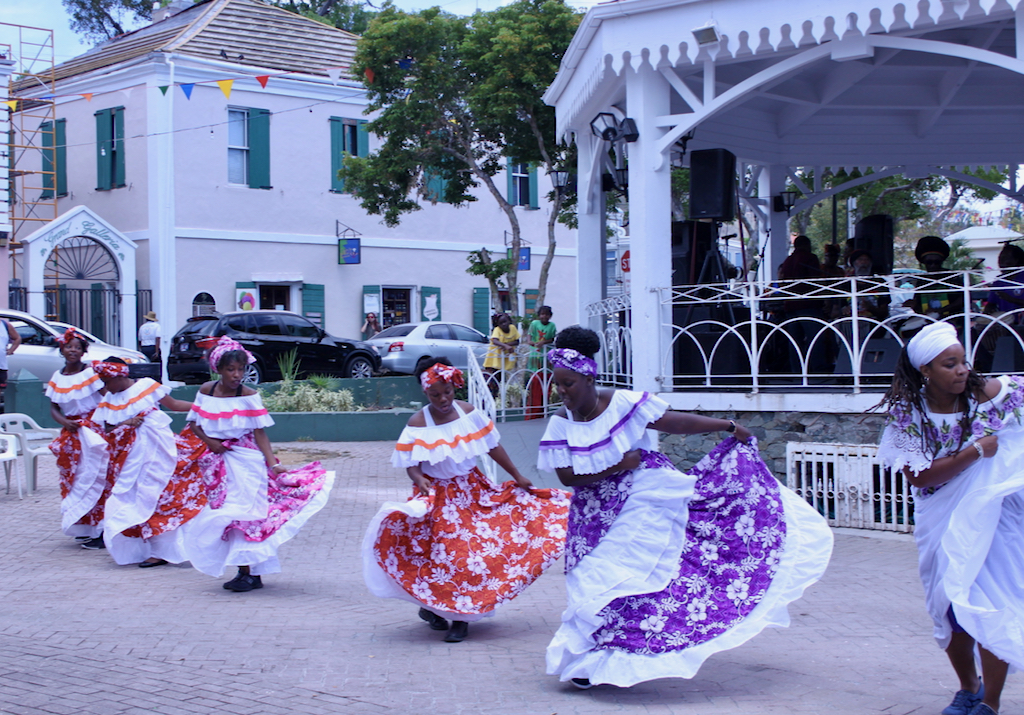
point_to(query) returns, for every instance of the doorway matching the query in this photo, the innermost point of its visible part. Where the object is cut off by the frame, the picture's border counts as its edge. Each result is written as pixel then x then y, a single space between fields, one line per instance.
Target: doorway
pixel 395 304
pixel 274 297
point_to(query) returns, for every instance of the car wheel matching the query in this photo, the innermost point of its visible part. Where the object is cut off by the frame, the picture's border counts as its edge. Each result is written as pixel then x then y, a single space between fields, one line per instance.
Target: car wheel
pixel 253 374
pixel 359 366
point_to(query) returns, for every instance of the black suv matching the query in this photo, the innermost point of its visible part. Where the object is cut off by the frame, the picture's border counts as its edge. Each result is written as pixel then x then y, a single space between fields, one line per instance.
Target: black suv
pixel 269 334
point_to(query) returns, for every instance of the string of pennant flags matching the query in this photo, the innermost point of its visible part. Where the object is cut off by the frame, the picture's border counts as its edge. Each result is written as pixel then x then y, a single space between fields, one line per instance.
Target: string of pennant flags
pixel 226 85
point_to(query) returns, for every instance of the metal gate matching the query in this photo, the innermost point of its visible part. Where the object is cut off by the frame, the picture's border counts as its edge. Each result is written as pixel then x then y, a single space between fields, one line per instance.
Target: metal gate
pixel 849 487
pixel 95 310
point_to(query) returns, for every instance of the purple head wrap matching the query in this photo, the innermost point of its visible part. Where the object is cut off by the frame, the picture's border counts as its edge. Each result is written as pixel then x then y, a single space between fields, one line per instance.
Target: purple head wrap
pixel 572 360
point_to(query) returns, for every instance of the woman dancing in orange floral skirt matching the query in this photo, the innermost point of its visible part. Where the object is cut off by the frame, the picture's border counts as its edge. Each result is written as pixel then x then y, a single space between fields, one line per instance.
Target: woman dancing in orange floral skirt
pixel 461 546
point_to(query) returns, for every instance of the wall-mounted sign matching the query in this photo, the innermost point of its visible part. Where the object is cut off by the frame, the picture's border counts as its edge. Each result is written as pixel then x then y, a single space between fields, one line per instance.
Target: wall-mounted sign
pixel 245 298
pixel 349 251
pixel 524 257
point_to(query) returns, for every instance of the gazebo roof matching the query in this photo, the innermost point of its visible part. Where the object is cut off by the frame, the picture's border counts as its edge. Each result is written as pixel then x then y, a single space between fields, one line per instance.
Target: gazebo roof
pixel 844 83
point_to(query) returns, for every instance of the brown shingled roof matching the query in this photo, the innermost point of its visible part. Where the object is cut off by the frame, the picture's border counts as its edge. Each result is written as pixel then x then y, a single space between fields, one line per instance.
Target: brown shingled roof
pixel 267 38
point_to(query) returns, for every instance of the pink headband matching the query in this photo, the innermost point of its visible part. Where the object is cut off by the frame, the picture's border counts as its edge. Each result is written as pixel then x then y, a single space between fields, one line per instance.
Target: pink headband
pixel 226 345
pixel 442 373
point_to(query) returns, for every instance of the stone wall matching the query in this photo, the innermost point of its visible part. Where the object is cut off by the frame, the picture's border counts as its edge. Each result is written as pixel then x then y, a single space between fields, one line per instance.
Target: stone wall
pixel 774 429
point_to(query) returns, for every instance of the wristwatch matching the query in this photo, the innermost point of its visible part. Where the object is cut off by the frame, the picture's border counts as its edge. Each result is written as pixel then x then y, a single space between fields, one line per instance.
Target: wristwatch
pixel 732 427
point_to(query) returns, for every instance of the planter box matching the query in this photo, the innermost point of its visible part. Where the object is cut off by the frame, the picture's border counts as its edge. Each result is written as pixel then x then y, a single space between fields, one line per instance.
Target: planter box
pixel 25 394
pixel 379 426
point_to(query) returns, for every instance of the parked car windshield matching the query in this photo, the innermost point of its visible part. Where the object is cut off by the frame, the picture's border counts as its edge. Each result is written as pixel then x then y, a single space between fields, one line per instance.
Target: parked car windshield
pixel 197 328
pixel 395 331
pixel 463 333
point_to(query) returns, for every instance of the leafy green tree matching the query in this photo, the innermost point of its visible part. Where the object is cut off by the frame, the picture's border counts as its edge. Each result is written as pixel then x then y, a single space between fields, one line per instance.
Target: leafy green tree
pixel 342 14
pixel 455 98
pixel 100 20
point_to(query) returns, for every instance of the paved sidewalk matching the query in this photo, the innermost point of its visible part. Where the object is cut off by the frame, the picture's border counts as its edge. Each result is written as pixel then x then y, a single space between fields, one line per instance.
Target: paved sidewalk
pixel 79 634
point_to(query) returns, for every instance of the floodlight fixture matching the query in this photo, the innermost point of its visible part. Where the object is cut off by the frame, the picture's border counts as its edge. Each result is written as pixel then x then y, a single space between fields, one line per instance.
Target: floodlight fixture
pixel 707 34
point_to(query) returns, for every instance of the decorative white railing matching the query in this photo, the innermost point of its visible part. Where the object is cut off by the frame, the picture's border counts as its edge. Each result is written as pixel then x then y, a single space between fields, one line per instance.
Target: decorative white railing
pixel 847 485
pixel 792 335
pixel 480 397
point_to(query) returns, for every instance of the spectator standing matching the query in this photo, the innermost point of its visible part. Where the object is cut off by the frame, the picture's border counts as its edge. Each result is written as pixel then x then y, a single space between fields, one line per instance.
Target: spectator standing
pixel 149 337
pixel 370 327
pixel 9 342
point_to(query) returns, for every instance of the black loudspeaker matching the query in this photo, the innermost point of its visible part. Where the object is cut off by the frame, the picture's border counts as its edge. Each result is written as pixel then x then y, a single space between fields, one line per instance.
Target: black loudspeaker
pixel 691 241
pixel 713 185
pixel 874 234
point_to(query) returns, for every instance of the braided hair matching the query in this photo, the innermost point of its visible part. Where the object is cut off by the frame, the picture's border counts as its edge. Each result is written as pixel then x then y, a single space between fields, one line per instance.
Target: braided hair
pixel 907 392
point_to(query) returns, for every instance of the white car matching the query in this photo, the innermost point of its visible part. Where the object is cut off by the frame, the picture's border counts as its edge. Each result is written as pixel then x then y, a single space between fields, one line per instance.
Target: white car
pixel 40 354
pixel 403 348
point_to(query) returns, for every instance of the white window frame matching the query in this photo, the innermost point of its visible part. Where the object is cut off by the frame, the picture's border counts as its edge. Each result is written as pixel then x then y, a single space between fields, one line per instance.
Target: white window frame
pixel 243 149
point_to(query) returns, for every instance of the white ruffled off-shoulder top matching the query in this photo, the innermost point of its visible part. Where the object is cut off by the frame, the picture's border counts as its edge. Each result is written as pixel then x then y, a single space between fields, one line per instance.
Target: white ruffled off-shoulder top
pixel 76 394
pixel 117 407
pixel 594 446
pixel 449 450
pixel 229 417
pixel 902 444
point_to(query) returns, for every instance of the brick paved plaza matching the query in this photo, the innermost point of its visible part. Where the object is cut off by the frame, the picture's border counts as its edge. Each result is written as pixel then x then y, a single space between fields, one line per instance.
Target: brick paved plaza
pixel 79 634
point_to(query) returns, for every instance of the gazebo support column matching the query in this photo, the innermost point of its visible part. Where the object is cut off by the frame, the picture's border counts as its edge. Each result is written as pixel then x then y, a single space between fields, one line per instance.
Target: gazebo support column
pixel 778 222
pixel 591 230
pixel 650 230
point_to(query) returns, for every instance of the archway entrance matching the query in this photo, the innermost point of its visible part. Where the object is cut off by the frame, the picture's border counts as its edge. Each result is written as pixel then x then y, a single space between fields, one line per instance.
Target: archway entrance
pixel 82 287
pixel 79 269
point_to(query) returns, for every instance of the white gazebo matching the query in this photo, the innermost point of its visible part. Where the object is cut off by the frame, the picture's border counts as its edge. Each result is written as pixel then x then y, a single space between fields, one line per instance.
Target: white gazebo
pixel 82 248
pixel 918 89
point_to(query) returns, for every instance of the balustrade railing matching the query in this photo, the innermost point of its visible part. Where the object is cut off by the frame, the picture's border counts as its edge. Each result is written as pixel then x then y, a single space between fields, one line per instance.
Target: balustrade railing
pixel 803 334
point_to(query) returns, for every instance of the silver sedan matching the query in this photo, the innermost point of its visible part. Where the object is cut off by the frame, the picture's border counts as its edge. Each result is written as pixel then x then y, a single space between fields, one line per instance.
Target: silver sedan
pixel 404 347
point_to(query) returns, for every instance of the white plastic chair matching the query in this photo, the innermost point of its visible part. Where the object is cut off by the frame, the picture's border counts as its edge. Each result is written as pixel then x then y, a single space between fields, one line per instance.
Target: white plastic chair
pixel 33 442
pixel 8 453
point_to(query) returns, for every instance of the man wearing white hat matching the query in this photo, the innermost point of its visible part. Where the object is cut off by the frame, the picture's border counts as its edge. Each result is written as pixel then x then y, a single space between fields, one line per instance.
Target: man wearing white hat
pixel 149 337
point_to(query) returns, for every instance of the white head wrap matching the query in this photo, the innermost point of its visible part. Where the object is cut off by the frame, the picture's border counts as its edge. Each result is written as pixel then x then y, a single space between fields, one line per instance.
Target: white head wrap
pixel 930 343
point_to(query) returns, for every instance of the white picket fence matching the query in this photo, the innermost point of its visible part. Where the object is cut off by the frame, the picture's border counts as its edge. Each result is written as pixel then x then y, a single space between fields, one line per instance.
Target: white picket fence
pixel 847 485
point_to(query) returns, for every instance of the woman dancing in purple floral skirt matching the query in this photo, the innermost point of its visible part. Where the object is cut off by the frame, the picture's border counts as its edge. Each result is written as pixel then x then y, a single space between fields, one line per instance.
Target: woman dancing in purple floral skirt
pixel 663 569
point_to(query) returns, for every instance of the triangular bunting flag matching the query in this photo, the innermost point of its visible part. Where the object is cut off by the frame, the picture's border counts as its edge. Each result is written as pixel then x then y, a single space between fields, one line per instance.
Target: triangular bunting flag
pixel 88 96
pixel 163 90
pixel 225 86
pixel 187 89
pixel 334 74
pixel 262 79
pixel 12 103
pixel 369 75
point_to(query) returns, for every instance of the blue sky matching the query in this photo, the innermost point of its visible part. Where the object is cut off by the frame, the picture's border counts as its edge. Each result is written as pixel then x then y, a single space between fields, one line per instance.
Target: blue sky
pixel 50 14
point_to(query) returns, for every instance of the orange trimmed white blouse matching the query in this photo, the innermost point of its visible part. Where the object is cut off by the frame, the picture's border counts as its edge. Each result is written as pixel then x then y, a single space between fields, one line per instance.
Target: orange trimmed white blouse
pixel 449 450
pixel 75 394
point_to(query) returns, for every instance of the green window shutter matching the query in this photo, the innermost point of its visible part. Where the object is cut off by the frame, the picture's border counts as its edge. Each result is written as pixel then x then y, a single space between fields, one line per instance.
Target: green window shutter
pixel 61 156
pixel 534 202
pixel 313 302
pixel 430 303
pixel 118 177
pixel 46 132
pixel 371 304
pixel 511 196
pixel 482 310
pixel 104 149
pixel 337 153
pixel 362 139
pixel 259 149
pixel 530 296
pixel 434 187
